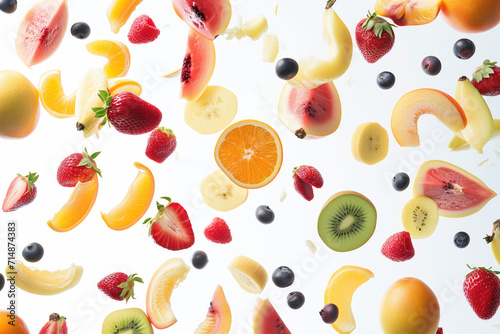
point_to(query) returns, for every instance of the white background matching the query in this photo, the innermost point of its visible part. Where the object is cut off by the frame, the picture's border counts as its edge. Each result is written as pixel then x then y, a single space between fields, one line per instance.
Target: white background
pixel 239 67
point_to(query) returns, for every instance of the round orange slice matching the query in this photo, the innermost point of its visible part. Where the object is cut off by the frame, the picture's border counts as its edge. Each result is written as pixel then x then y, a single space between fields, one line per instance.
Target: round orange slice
pixel 124 85
pixel 135 204
pixel 117 53
pixel 77 207
pixel 249 152
pixel 52 95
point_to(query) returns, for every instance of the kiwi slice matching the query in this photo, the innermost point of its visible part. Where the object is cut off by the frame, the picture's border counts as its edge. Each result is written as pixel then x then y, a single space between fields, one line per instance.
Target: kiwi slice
pixel 127 321
pixel 420 217
pixel 347 221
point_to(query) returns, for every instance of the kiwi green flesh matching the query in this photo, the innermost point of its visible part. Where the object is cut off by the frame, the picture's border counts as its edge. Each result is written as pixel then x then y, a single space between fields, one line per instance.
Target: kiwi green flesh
pixel 347 222
pixel 127 321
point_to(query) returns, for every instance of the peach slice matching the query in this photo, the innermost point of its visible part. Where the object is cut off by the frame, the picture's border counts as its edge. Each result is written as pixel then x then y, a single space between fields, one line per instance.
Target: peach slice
pixel 135 204
pixel 422 101
pixel 77 207
pixel 409 12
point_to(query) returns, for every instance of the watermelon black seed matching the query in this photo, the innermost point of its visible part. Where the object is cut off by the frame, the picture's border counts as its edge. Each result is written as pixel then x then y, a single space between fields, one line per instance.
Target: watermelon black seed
pixel 198 13
pixel 186 69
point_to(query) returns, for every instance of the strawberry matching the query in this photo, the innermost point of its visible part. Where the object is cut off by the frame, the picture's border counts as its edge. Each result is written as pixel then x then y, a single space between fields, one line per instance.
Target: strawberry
pixel 439 330
pixel 486 78
pixel 143 30
pixel 482 290
pixel 309 175
pixel 303 188
pixel 161 144
pixel 128 113
pixel 21 191
pixel 218 231
pixel 171 227
pixel 398 247
pixel 55 325
pixel 77 167
pixel 374 37
pixel 119 286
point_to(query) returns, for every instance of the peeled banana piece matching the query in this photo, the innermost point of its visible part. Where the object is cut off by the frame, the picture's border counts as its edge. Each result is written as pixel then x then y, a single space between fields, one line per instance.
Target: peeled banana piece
pixel 315 72
pixel 457 144
pixel 249 274
pixel 220 193
pixel 370 143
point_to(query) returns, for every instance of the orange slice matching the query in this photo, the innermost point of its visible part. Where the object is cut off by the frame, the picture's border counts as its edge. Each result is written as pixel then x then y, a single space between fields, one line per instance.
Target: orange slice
pixel 52 95
pixel 124 85
pixel 249 152
pixel 339 291
pixel 77 207
pixel 164 281
pixel 135 204
pixel 117 53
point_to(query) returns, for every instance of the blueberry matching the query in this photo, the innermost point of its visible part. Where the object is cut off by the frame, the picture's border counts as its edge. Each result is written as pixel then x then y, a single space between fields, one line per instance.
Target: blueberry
pixel 8 6
pixel 80 30
pixel 264 214
pixel 329 313
pixel 431 65
pixel 461 239
pixel 283 277
pixel 464 48
pixel 295 300
pixel 33 252
pixel 199 260
pixel 400 181
pixel 386 80
pixel 2 282
pixel 286 68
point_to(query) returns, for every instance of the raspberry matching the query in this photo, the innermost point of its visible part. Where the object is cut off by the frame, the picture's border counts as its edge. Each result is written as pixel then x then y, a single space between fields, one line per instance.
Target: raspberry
pixel 218 231
pixel 143 30
pixel 398 247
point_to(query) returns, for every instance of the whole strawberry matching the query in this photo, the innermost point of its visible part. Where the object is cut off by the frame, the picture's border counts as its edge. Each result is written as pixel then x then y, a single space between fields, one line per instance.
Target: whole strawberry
pixel 218 231
pixel 55 325
pixel 128 113
pixel 375 37
pixel 21 192
pixel 77 167
pixel 486 78
pixel 161 144
pixel 143 30
pixel 119 286
pixel 304 178
pixel 398 247
pixel 482 290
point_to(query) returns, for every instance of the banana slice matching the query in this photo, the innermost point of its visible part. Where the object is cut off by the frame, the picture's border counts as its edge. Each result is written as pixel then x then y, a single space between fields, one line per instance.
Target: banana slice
pixel 249 274
pixel 270 48
pixel 458 143
pixel 255 27
pixel 370 143
pixel 220 193
pixel 212 111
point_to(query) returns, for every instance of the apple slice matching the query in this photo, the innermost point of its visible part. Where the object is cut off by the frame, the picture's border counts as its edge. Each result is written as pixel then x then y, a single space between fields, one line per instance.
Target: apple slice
pixel 422 101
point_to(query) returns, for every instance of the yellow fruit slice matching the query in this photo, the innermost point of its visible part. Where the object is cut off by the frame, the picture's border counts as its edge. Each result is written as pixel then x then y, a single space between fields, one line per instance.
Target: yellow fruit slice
pixel 136 201
pixel 165 279
pixel 249 152
pixel 77 207
pixel 124 85
pixel 220 193
pixel 218 320
pixel 171 74
pixel 270 47
pixel 119 12
pixel 117 54
pixel 420 217
pixel 339 291
pixel 249 274
pixel 254 28
pixel 43 282
pixel 370 143
pixel 212 111
pixel 52 95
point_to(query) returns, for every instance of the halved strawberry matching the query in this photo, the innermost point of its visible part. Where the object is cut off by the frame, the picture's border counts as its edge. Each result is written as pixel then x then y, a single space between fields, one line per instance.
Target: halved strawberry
pixel 171 227
pixel 22 191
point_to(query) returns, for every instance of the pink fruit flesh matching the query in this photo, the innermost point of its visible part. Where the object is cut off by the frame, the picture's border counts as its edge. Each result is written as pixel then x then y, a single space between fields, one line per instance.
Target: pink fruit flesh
pixel 268 321
pixel 17 189
pixel 41 31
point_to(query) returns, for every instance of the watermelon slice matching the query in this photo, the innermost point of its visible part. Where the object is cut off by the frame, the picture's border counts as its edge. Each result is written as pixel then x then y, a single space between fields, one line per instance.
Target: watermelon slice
pixel 267 320
pixel 456 192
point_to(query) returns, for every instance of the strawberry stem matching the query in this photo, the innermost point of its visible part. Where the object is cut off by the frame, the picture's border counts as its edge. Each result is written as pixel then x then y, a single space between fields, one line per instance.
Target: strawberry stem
pixel 378 24
pixel 88 162
pixel 128 287
pixel 484 71
pixel 30 179
pixel 102 112
pixel 482 268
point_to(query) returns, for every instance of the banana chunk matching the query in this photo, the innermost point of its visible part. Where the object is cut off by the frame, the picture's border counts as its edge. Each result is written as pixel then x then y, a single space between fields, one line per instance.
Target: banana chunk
pixel 370 143
pixel 220 193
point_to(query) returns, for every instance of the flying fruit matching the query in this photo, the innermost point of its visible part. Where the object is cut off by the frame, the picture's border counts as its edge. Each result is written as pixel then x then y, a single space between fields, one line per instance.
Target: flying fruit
pixel 119 12
pixel 480 124
pixel 457 144
pixel 494 240
pixel 315 72
pixel 409 12
pixel 55 325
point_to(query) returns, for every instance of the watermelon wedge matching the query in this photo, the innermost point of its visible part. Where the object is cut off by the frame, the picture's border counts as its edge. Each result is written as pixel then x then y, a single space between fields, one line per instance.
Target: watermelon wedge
pixel 267 320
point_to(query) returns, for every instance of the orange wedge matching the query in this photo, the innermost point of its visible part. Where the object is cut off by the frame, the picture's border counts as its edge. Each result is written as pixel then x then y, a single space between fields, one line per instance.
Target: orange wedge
pixel 117 53
pixel 119 12
pixel 249 152
pixel 124 85
pixel 77 207
pixel 135 204
pixel 164 281
pixel 52 95
pixel 339 291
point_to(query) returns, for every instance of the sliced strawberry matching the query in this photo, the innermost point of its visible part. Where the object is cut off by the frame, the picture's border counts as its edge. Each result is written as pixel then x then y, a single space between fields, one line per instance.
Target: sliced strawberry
pixel 171 227
pixel 21 191
pixel 303 188
pixel 309 175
